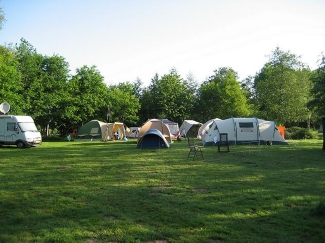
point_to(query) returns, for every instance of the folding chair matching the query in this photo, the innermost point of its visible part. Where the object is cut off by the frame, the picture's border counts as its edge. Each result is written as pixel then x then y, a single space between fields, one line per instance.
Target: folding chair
pixel 195 150
pixel 223 142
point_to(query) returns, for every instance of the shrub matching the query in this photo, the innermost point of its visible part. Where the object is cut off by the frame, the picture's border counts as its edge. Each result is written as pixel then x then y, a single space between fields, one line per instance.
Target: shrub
pixel 300 133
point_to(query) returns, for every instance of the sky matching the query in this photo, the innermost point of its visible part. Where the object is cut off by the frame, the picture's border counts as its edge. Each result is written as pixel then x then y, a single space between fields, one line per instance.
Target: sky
pixel 136 39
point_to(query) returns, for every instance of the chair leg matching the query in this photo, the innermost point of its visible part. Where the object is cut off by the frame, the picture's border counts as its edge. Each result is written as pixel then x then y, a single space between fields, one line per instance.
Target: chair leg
pixel 194 153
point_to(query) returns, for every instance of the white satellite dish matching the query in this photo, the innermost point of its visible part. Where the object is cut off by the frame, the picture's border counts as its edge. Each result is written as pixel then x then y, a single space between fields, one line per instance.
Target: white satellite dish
pixel 4 107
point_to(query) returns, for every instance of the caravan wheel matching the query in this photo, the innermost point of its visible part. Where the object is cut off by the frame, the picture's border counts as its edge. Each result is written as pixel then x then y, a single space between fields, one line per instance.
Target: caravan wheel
pixel 20 144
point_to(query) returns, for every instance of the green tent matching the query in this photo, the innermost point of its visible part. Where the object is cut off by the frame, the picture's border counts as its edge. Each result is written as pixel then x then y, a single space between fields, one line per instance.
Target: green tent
pixel 101 130
pixel 92 130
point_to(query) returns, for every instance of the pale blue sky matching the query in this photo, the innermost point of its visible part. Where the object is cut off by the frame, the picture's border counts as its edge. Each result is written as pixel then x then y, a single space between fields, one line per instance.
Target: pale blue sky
pixel 129 39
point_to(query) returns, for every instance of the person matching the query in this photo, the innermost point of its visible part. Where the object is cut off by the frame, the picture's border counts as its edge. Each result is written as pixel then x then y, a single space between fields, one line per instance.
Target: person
pixel 73 134
pixel 115 135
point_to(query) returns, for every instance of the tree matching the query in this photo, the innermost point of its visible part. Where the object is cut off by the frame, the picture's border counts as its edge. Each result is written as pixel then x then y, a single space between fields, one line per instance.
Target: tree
pixel 318 89
pixel 168 97
pixel 282 88
pixel 2 18
pixel 88 95
pixel 221 96
pixel 124 105
pixel 30 67
pixel 10 80
pixel 48 91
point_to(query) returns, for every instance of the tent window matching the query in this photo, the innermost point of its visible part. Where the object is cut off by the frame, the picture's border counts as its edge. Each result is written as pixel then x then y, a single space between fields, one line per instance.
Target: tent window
pixel 173 128
pixel 216 127
pixel 94 130
pixel 246 126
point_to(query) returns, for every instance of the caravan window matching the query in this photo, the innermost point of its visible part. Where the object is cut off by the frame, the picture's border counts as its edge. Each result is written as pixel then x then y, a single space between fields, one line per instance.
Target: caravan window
pixel 27 126
pixel 11 126
pixel 246 126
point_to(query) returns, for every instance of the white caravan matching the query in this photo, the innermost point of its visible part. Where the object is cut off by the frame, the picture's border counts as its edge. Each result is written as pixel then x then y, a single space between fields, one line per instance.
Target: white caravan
pixel 19 130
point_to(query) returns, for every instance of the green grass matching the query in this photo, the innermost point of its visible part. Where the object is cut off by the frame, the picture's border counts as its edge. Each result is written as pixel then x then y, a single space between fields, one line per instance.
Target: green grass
pixel 112 192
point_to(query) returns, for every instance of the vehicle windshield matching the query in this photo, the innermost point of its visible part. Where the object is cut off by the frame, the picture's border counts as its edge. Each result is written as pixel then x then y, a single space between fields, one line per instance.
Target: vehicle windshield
pixel 27 126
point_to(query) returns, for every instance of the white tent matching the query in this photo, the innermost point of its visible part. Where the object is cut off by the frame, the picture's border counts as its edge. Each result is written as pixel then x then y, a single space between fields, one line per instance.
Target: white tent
pixel 242 130
pixel 189 128
pixel 205 127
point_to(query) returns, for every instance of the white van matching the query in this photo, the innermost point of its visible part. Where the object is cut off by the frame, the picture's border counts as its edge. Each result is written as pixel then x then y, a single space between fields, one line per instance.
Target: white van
pixel 19 130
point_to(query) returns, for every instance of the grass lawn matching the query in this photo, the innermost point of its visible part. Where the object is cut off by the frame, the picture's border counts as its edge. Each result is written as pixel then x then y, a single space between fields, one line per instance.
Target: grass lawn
pixel 112 192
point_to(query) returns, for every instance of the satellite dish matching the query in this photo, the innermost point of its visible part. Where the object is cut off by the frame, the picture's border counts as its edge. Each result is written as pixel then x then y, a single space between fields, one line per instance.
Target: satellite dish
pixel 4 107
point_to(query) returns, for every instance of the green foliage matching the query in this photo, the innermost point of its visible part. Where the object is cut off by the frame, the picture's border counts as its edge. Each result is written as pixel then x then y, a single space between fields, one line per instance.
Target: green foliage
pixel 300 133
pixel 2 18
pixel 41 86
pixel 282 89
pixel 168 97
pixel 10 80
pixel 222 97
pixel 318 90
pixel 88 94
pixel 124 105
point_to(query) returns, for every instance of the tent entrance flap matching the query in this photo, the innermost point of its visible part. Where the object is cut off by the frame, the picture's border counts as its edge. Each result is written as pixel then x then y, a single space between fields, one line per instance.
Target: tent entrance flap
pixel 247 131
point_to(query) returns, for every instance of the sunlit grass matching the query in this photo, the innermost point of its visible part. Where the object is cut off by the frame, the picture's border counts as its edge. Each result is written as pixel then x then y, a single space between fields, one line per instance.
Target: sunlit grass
pixel 113 192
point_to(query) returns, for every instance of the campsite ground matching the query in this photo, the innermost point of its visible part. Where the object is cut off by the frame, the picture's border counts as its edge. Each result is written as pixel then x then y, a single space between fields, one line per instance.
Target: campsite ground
pixel 113 192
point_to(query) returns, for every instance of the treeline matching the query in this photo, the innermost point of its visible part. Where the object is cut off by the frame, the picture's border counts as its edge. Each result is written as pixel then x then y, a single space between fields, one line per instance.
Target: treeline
pixel 284 90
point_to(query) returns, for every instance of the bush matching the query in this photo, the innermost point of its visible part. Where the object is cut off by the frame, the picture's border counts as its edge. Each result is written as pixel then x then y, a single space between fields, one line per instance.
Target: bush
pixel 53 139
pixel 300 133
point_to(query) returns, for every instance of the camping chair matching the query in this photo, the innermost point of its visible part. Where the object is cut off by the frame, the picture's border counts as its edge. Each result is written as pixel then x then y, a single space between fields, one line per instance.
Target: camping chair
pixel 195 150
pixel 223 142
pixel 94 133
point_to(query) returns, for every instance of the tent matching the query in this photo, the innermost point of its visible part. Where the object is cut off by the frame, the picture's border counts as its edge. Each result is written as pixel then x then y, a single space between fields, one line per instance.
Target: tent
pixel 173 127
pixel 190 128
pixel 241 130
pixel 93 129
pixel 115 131
pixel 153 138
pixel 96 130
pixel 205 127
pixel 158 125
pixel 132 132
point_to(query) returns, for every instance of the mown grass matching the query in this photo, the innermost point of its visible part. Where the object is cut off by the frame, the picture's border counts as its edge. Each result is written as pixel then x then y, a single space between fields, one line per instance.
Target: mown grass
pixel 112 192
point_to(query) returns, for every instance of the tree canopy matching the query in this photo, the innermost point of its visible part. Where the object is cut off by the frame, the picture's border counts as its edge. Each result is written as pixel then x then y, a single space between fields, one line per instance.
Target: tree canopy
pixel 222 96
pixel 284 90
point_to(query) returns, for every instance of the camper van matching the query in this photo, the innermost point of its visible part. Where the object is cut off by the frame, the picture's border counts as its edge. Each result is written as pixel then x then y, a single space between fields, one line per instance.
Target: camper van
pixel 19 130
